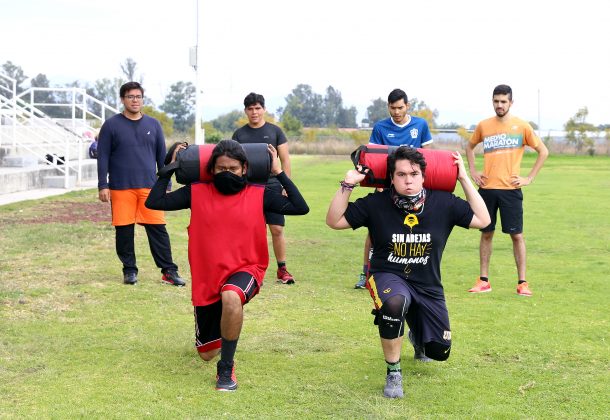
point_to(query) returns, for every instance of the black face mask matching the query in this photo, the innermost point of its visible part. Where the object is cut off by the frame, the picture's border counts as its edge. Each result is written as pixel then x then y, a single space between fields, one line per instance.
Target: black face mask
pixel 228 183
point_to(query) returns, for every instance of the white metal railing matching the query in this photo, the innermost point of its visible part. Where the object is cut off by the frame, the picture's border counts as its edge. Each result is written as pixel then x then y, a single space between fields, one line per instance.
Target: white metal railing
pixel 39 135
pixel 33 131
pixel 80 103
pixel 8 108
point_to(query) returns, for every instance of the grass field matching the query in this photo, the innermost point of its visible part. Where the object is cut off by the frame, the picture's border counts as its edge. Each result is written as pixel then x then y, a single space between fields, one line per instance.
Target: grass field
pixel 76 342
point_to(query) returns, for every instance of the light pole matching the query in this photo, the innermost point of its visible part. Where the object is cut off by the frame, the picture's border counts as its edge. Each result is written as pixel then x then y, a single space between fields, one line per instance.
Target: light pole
pixel 195 59
pixel 539 128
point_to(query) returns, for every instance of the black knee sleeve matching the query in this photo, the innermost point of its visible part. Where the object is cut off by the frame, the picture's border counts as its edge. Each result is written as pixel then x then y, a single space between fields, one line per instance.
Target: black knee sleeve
pixel 437 351
pixel 391 317
pixel 390 328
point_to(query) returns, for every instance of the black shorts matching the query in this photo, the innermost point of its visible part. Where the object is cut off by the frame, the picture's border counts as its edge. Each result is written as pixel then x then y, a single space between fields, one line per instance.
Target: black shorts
pixel 270 217
pixel 427 317
pixel 510 203
pixel 207 318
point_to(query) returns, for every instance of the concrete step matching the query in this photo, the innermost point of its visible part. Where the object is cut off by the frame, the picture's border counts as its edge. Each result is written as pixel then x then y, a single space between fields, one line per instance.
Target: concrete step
pixel 19 161
pixel 23 179
pixel 58 181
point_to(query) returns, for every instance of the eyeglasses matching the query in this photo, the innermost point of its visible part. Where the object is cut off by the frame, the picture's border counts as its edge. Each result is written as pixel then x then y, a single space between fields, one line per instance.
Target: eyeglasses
pixel 132 97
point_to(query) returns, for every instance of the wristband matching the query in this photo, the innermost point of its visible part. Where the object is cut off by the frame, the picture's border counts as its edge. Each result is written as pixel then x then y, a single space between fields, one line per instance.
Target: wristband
pixel 346 186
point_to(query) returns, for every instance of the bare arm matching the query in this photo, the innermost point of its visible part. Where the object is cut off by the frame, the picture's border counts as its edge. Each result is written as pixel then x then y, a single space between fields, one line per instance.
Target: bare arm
pixel 335 218
pixel 282 151
pixel 543 153
pixel 481 217
pixel 477 177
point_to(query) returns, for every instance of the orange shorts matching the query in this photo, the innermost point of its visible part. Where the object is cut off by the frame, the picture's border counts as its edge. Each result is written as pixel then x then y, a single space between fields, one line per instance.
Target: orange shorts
pixel 128 208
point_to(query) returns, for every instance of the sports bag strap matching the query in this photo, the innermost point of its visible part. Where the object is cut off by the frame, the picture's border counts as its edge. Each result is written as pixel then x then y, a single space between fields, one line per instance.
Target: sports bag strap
pixel 356 161
pixel 356 155
pixel 356 158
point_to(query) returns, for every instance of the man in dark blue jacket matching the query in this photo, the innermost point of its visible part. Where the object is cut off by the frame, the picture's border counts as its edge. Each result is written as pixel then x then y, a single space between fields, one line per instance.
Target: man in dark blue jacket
pixel 131 147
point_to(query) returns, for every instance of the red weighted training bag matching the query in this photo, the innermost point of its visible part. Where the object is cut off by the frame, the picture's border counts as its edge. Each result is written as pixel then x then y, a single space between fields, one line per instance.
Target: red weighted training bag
pixel 441 172
pixel 191 163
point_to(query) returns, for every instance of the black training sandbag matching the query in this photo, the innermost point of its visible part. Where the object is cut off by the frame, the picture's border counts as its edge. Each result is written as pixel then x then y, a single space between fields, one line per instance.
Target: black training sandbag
pixel 191 163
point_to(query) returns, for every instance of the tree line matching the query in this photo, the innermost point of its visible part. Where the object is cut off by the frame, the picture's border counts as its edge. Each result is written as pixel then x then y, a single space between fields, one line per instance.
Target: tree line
pixel 304 108
pixel 176 111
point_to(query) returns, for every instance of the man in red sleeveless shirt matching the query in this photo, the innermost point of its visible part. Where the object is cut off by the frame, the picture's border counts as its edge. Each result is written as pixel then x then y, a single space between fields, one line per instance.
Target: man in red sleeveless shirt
pixel 227 245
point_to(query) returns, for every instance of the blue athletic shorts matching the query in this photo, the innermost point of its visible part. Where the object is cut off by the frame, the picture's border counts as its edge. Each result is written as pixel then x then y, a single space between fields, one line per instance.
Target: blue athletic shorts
pixel 427 317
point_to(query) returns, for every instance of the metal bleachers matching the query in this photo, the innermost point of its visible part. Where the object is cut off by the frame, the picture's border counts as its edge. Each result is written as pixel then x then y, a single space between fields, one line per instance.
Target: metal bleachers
pixel 37 150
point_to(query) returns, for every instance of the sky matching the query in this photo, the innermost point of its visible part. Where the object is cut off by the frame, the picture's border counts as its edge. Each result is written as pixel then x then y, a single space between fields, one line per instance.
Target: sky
pixel 450 54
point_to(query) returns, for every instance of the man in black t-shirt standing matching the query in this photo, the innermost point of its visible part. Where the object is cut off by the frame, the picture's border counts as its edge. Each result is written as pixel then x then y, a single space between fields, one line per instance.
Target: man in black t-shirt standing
pixel 409 226
pixel 259 131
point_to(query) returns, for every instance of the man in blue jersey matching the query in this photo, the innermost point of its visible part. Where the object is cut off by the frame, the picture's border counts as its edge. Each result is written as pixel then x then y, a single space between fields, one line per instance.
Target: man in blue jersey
pixel 131 147
pixel 400 129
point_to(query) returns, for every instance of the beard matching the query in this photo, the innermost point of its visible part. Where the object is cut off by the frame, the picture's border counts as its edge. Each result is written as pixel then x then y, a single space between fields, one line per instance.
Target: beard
pixel 501 112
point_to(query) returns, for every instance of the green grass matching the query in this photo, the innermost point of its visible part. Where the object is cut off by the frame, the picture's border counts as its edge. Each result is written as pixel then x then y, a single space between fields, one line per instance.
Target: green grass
pixel 76 342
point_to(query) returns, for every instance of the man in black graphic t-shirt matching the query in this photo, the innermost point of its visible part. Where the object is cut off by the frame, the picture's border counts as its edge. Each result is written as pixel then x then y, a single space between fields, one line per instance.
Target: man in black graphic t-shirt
pixel 411 252
pixel 409 226
pixel 259 131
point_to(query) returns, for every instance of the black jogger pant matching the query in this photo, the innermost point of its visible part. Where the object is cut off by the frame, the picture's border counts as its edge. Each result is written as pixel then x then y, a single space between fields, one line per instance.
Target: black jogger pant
pixel 158 240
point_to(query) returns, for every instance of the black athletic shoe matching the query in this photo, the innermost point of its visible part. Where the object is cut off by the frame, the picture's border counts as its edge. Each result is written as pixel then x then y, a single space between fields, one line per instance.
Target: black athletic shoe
pixel 361 282
pixel 225 376
pixel 172 277
pixel 419 354
pixel 130 278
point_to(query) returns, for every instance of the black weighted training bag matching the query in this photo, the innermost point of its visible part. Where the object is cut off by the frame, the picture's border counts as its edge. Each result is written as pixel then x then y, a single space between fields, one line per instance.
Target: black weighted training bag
pixel 191 163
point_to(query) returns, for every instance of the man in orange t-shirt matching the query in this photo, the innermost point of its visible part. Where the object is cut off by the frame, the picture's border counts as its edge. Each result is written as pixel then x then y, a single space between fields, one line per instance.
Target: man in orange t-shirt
pixel 504 139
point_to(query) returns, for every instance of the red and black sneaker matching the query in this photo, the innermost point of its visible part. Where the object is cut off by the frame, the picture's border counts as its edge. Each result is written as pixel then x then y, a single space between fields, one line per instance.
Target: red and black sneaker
pixel 283 276
pixel 172 277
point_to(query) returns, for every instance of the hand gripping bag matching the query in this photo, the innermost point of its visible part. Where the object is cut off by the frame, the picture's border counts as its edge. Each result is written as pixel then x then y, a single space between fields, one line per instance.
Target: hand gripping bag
pixel 441 171
pixel 191 163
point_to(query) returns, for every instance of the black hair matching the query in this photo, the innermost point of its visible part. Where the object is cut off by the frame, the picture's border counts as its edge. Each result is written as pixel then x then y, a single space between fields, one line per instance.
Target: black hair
pixel 253 99
pixel 396 95
pixel 503 90
pixel 130 86
pixel 229 148
pixel 406 153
